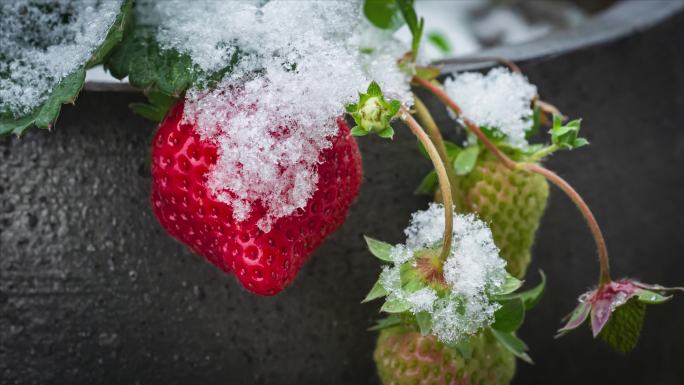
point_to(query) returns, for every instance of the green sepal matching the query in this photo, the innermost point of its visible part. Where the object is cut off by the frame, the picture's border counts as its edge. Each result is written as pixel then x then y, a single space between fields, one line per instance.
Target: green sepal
pixel 513 344
pixel 565 136
pixel 465 161
pixel 373 113
pixel 650 297
pixel 424 321
pixel 379 249
pixel 376 292
pixel 391 321
pixel 529 297
pixel 157 108
pixel 510 316
pixel 462 347
pixel 396 305
pixel 67 90
pixel 624 327
pixel 510 285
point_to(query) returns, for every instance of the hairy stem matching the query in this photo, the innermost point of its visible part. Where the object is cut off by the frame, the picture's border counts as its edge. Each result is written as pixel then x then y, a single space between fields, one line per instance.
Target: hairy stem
pixel 435 135
pixel 584 209
pixel 604 275
pixel 442 176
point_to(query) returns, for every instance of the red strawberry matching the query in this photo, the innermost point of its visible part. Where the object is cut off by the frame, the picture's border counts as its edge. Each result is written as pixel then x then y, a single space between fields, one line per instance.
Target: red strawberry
pixel 265 263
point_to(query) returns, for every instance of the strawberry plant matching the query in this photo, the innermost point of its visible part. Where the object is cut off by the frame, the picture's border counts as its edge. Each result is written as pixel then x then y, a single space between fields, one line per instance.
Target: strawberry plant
pixel 254 164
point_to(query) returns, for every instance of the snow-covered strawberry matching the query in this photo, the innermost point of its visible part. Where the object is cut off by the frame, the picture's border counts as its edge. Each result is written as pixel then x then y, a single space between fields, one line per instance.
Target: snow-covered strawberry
pixel 265 262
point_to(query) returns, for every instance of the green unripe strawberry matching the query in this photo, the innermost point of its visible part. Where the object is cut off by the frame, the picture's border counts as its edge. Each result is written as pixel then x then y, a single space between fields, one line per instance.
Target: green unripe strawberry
pixel 405 357
pixel 512 202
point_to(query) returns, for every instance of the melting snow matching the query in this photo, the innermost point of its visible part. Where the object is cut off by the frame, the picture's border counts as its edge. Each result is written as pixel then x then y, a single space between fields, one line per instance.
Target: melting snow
pixel 501 99
pixel 39 46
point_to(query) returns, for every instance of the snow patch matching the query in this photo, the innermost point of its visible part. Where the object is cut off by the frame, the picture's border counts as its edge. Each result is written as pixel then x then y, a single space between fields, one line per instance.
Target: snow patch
pixel 500 99
pixel 40 46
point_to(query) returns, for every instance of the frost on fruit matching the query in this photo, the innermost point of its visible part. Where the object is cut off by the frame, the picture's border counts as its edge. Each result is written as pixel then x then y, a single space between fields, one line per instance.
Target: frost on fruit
pixel 498 100
pixel 40 46
pixel 298 64
pixel 473 273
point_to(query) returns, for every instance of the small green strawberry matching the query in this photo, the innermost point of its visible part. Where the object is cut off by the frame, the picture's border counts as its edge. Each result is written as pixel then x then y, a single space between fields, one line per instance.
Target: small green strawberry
pixel 404 357
pixel 512 202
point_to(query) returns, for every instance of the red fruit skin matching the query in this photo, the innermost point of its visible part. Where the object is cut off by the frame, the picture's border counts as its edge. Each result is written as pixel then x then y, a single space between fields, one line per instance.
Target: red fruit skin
pixel 265 263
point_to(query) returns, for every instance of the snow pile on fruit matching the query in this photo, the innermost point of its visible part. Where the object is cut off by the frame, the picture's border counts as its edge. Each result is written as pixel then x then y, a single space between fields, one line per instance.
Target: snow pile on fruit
pixel 40 46
pixel 473 272
pixel 499 100
pixel 298 64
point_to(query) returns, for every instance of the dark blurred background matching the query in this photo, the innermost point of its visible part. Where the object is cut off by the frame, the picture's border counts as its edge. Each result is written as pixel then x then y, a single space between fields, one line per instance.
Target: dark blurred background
pixel 93 291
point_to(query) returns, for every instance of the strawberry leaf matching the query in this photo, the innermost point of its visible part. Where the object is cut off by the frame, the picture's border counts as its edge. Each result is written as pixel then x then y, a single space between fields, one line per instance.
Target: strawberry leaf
pixel 67 89
pixel 623 329
pixel 383 14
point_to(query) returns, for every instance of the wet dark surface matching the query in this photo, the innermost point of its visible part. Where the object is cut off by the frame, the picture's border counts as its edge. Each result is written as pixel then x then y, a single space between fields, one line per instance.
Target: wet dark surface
pixel 92 291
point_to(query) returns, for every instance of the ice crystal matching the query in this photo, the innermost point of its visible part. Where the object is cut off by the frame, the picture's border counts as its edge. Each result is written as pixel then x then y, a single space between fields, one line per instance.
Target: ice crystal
pixel 298 64
pixel 41 42
pixel 500 100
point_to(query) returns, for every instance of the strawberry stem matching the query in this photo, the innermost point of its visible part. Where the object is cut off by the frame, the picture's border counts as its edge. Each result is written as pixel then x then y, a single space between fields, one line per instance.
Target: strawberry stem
pixel 604 275
pixel 435 134
pixel 442 176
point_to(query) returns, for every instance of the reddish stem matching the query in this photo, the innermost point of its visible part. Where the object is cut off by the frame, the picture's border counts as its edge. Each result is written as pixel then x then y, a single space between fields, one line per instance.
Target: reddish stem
pixel 554 178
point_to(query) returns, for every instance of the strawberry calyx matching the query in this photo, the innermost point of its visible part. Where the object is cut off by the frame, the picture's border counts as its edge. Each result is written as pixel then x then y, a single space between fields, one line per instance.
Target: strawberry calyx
pixel 373 113
pixel 616 310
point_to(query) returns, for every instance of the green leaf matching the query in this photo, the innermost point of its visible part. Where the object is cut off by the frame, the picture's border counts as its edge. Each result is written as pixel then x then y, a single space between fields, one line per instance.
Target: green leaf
pixel 415 25
pixel 384 14
pixel 148 111
pixel 67 90
pixel 440 41
pixel 464 348
pixel 429 184
pixel 351 107
pixel 510 316
pixel 513 344
pixel 379 249
pixel 424 321
pixel 391 321
pixel 395 306
pixel 565 136
pixel 651 297
pixel 376 292
pixel 465 161
pixel 623 329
